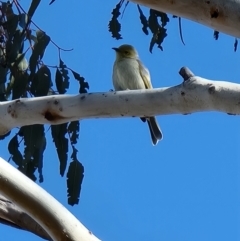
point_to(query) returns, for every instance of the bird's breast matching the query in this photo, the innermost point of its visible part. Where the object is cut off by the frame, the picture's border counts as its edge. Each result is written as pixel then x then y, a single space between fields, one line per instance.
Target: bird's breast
pixel 126 75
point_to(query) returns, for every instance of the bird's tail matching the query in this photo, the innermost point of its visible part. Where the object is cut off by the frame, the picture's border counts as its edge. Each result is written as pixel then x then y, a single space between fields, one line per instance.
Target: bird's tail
pixel 156 133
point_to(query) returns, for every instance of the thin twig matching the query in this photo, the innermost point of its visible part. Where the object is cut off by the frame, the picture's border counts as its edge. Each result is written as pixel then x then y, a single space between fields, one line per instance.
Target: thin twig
pixel 18 5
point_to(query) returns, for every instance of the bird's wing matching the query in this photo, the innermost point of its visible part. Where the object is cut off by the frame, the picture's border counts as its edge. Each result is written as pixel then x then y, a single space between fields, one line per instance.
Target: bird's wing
pixel 145 75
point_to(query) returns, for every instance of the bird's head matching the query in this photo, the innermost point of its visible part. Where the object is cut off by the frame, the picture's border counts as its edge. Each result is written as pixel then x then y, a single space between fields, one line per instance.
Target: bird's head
pixel 126 51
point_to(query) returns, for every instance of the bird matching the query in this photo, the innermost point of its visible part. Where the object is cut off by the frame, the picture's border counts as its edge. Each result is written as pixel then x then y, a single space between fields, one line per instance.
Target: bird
pixel 129 73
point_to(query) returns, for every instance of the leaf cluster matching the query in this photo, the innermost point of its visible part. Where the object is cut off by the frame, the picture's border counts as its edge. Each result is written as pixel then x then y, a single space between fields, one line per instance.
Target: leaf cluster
pixel 24 74
pixel 155 23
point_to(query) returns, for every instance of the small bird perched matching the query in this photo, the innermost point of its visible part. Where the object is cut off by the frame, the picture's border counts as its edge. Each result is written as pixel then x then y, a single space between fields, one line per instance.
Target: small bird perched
pixel 129 73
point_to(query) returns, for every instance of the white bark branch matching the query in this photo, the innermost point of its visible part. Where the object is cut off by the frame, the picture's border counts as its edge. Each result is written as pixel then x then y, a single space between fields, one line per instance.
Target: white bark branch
pixel 13 216
pixel 55 219
pixel 195 94
pixel 220 15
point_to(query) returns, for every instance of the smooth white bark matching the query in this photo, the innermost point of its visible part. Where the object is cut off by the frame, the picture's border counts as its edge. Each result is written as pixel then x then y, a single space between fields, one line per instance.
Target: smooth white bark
pixel 56 220
pixel 193 95
pixel 220 15
pixel 12 215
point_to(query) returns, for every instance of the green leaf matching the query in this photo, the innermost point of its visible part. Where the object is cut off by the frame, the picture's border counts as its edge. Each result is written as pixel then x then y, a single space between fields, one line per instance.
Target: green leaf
pixel 64 72
pixel 3 76
pixel 42 82
pixel 13 146
pixel 18 78
pixel 14 46
pixel 35 144
pixel 19 40
pixel 29 170
pixel 59 82
pixel 38 50
pixel 158 31
pixel 38 156
pixel 61 144
pixel 21 63
pixel 83 85
pixel 33 7
pixel 30 135
pixel 144 21
pixel 74 181
pixel 73 131
pixel 33 63
pixel 158 39
pixel 34 84
pixel 7 9
pixel 5 6
pixel 18 84
pixel 11 25
pixel 17 45
pixel 42 42
pixel 163 16
pixel 114 26
pixel 23 20
pixel 33 38
pixel 153 22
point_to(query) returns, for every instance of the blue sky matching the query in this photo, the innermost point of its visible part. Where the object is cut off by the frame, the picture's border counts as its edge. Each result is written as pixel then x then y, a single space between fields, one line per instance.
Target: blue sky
pixel 187 187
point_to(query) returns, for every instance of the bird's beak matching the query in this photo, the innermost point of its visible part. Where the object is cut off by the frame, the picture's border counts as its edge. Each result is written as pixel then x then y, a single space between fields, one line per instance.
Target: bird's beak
pixel 116 49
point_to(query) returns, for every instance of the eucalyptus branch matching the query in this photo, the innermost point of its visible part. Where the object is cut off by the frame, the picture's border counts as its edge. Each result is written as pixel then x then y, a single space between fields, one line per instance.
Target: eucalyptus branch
pixel 53 217
pixel 220 15
pixel 195 94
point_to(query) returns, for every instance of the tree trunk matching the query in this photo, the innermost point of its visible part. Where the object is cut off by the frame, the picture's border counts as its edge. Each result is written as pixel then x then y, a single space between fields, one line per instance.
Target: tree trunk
pixel 220 15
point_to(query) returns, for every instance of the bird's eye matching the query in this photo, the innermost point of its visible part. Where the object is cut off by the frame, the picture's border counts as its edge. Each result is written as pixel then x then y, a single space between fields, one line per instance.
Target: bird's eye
pixel 126 52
